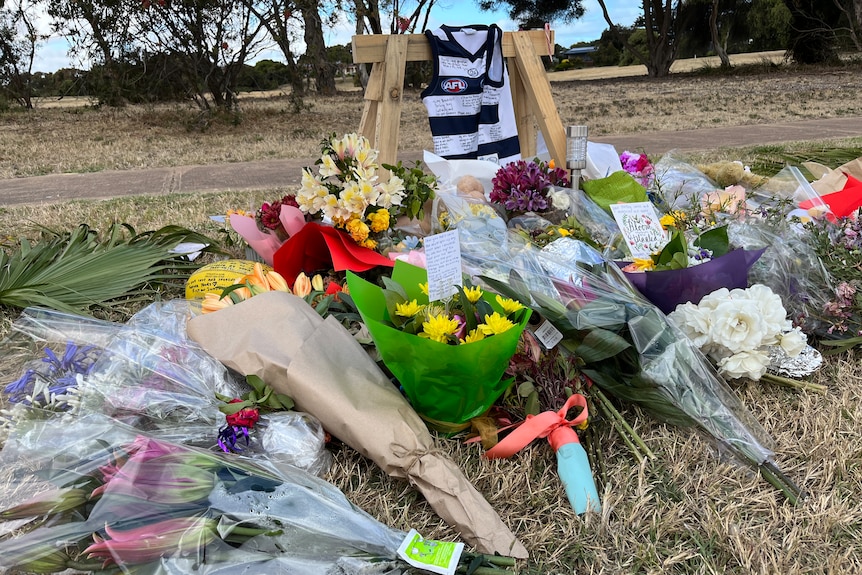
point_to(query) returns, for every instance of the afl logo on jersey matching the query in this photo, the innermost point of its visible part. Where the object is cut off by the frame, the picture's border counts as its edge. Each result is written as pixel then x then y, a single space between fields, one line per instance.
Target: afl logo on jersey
pixel 454 85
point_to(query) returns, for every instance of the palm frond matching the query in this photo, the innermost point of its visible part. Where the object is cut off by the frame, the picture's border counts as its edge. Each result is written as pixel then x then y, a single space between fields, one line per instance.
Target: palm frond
pixel 78 271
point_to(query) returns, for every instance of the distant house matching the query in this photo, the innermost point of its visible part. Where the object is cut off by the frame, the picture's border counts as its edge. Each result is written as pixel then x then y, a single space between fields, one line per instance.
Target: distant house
pixel 584 53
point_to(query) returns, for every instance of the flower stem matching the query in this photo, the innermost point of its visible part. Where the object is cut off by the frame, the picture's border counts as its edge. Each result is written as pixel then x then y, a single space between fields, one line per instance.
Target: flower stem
pixel 793 383
pixel 626 432
pixel 781 482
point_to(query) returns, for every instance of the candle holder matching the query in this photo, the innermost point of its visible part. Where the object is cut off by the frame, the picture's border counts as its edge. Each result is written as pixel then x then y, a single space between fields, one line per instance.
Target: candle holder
pixel 576 153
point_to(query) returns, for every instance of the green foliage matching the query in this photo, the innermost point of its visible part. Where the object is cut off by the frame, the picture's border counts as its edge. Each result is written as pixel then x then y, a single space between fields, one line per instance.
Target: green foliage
pixel 420 187
pixel 78 272
pixel 261 396
pixel 769 25
pixel 534 13
pixel 814 23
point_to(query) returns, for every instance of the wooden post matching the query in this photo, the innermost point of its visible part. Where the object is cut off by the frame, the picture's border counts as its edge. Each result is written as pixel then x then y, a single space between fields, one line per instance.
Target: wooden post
pixel 531 91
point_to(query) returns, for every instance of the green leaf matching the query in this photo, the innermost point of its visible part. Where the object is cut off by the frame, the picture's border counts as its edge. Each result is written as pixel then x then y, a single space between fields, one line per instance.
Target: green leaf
pixel 714 240
pixel 600 344
pixel 677 244
pixel 532 406
pixel 390 284
pixel 525 388
pixel 255 382
pixel 231 408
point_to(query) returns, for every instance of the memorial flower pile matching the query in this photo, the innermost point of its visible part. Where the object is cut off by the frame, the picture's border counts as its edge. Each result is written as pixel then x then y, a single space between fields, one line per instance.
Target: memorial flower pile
pixel 627 347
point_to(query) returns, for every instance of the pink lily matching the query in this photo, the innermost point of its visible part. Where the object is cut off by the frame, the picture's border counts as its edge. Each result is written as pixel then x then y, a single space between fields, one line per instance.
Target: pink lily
pixel 151 542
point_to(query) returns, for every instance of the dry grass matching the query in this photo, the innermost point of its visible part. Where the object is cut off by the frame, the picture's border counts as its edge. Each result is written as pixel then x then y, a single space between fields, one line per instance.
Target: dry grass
pixel 687 512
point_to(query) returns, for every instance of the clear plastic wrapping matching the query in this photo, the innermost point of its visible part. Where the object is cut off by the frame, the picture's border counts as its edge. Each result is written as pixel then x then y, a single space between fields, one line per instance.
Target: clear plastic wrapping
pixel 108 494
pixel 629 347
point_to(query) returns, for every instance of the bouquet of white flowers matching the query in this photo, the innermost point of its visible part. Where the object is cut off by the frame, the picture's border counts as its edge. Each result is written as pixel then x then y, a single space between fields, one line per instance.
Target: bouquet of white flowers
pixel 740 330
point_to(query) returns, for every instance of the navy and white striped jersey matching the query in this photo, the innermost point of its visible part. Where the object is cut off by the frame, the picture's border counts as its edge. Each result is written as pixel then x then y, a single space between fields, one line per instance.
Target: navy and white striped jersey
pixel 469 101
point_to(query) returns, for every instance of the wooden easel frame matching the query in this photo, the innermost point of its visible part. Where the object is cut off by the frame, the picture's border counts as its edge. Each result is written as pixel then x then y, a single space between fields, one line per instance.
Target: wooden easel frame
pixel 531 92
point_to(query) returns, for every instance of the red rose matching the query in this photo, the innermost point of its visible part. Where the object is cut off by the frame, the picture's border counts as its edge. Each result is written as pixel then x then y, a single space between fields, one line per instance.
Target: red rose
pixel 245 417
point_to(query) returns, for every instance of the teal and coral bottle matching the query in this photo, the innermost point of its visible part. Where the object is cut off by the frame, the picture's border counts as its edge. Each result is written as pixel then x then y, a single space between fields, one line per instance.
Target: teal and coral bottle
pixel 574 469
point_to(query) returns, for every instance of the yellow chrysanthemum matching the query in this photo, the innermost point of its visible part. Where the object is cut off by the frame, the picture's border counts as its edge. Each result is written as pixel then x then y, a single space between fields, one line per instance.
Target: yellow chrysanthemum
pixel 357 229
pixel 473 293
pixel 672 219
pixel 408 309
pixel 495 324
pixel 424 288
pixel 379 220
pixel 368 243
pixel 439 328
pixel 509 306
pixel 564 232
pixel 474 335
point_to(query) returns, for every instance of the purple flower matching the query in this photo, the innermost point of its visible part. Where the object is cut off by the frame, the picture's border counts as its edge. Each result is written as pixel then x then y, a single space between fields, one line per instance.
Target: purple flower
pixel 523 186
pixel 230 435
pixel 60 373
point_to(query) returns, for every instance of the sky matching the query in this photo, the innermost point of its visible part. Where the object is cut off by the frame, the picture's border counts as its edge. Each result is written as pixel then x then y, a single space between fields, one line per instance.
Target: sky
pixel 52 55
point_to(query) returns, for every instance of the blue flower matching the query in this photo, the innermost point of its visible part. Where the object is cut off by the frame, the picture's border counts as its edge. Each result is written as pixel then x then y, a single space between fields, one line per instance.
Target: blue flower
pixel 60 373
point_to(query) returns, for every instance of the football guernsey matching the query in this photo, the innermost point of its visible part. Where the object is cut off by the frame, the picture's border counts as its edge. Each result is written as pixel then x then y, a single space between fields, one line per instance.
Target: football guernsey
pixel 469 101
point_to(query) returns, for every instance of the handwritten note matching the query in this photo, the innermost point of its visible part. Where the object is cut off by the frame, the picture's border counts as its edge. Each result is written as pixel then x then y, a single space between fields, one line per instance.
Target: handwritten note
pixel 443 262
pixel 640 226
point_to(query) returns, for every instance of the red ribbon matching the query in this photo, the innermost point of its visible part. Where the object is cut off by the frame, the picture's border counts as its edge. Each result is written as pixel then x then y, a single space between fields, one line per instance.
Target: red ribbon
pixel 550 424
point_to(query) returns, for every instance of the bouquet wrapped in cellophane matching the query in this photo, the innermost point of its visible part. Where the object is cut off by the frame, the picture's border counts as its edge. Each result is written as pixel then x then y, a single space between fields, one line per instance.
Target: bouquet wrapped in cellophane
pixel 146 372
pixel 625 345
pixel 328 374
pixel 97 495
pixel 451 367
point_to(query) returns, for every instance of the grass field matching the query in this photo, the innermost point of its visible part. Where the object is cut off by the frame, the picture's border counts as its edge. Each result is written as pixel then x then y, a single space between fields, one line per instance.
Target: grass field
pixel 687 511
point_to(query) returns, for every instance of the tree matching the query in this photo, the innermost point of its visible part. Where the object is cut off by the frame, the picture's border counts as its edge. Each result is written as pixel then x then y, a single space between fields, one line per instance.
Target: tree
pixel 718 45
pixel 659 19
pixel 18 42
pixel 534 13
pixel 210 40
pixel 99 32
pixel 280 20
pixel 769 25
pixel 815 25
pixel 322 70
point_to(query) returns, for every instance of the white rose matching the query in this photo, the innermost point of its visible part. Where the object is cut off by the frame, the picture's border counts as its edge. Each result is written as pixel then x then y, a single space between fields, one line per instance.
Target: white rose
pixel 710 301
pixel 750 364
pixel 774 314
pixel 736 324
pixel 693 321
pixel 793 342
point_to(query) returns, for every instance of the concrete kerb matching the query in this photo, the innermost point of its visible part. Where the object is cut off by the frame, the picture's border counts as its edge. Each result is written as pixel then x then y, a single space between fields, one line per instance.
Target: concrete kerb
pixel 274 174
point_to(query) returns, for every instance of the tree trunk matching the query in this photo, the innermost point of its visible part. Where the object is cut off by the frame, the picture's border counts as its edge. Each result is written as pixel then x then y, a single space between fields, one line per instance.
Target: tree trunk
pixel 274 17
pixel 315 48
pixel 716 41
pixel 661 37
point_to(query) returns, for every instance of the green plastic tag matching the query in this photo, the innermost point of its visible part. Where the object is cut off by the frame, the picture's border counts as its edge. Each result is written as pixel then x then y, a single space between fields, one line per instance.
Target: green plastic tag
pixel 434 556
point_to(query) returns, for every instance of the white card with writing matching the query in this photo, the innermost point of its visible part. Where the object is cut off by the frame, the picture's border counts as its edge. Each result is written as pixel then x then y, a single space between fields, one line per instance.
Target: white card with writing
pixel 641 228
pixel 443 262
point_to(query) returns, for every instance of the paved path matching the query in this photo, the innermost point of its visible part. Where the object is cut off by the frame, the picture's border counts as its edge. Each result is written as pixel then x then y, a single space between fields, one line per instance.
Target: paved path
pixel 272 174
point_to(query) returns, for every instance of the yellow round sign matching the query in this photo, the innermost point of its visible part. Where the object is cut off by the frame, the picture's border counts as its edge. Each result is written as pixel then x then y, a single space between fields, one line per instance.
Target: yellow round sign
pixel 214 277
